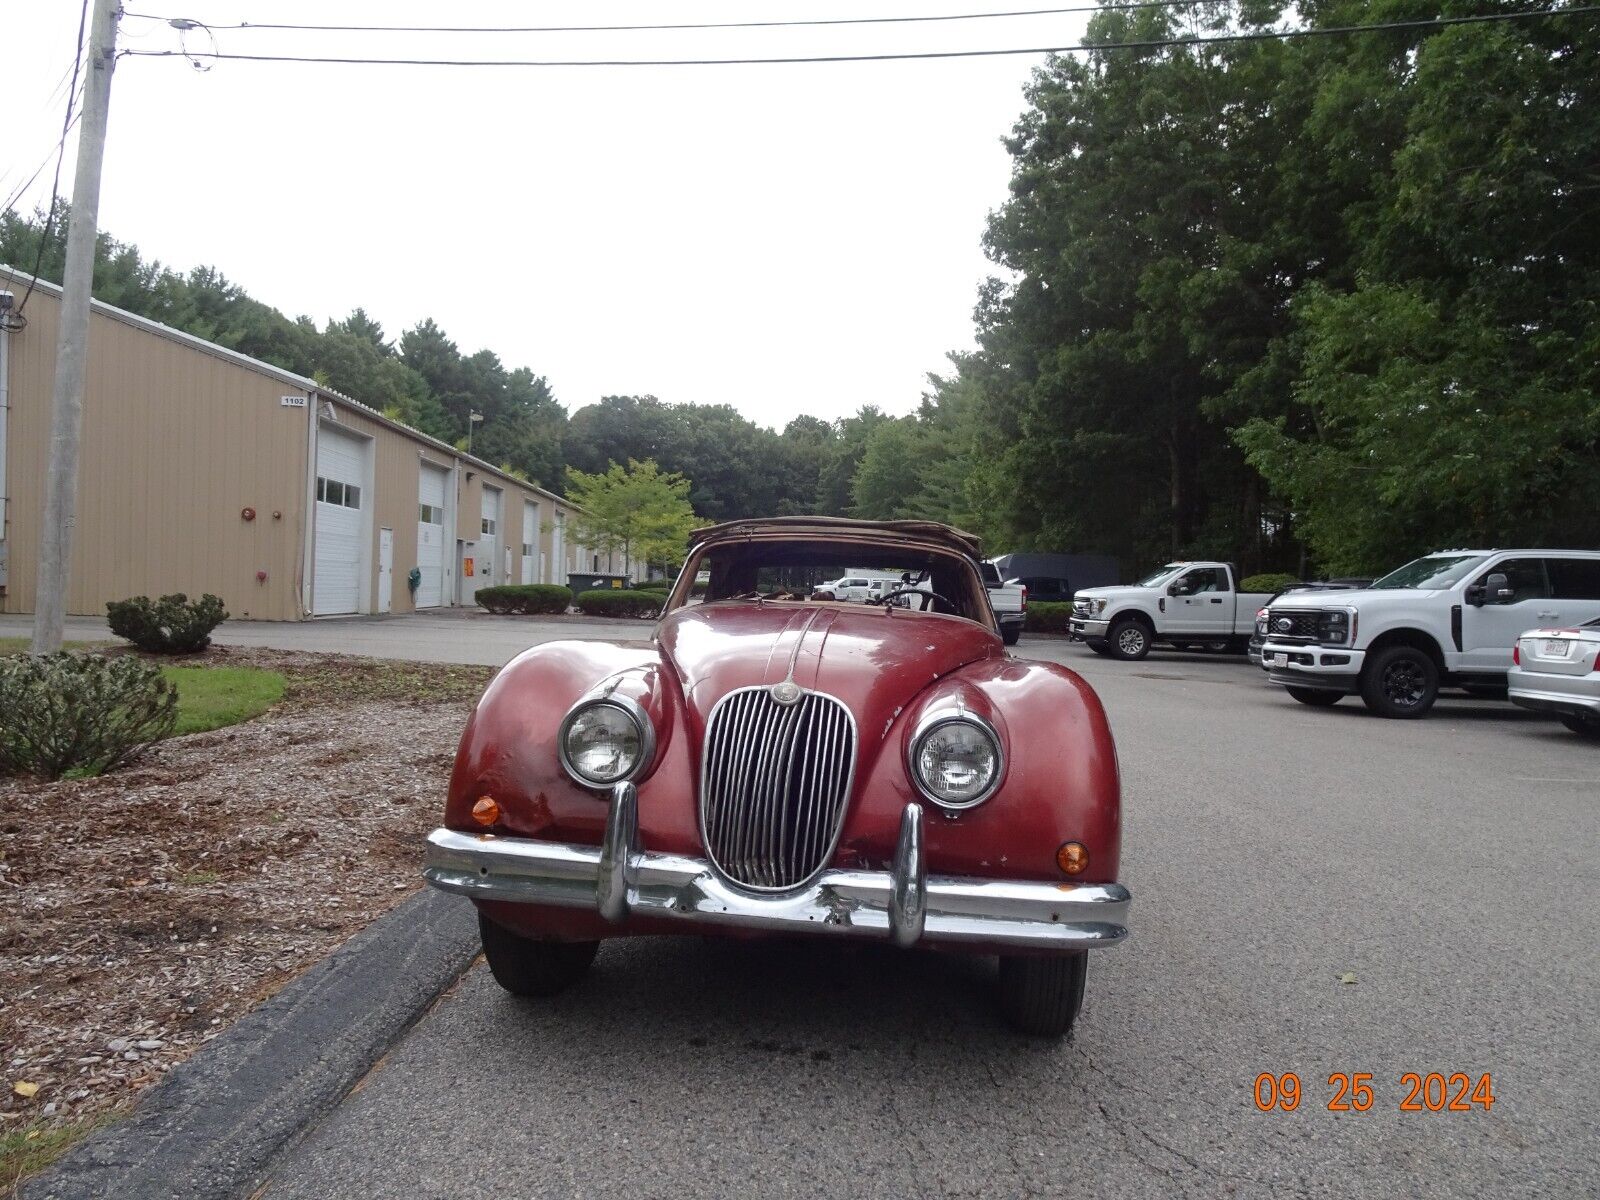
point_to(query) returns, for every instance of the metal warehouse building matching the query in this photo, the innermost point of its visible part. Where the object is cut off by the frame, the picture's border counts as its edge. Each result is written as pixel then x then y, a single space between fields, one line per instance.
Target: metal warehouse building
pixel 203 470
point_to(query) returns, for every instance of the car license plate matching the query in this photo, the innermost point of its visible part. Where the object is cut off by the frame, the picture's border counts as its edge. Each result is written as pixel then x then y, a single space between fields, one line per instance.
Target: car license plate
pixel 1555 649
pixel 1280 660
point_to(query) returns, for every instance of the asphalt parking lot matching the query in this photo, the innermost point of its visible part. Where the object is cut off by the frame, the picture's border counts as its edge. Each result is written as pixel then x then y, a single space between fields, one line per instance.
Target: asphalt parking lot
pixel 1315 891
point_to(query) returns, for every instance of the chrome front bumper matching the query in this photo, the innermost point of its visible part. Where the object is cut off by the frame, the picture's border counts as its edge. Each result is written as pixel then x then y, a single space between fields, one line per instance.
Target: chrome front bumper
pixel 905 904
pixel 1088 627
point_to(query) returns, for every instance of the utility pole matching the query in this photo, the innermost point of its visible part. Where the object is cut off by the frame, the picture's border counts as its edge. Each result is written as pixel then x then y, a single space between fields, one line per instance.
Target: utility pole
pixel 72 339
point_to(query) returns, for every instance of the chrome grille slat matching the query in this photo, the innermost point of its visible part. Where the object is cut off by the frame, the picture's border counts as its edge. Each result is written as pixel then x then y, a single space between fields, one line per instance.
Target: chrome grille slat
pixel 775 781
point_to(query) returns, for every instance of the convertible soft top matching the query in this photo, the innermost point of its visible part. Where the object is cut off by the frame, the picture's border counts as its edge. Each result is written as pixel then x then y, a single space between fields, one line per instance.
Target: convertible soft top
pixel 844 528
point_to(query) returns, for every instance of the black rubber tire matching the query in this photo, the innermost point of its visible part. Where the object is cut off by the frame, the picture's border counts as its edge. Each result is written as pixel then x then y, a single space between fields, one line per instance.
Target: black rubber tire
pixel 526 967
pixel 1098 645
pixel 1315 697
pixel 1042 995
pixel 1588 729
pixel 1121 641
pixel 1400 682
pixel 1010 633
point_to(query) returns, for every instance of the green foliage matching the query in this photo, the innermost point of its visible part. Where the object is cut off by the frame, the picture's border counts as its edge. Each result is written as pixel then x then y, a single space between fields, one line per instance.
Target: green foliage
pixel 215 697
pixel 1271 581
pixel 654 585
pixel 619 602
pixel 1047 616
pixel 524 598
pixel 171 625
pixel 636 510
pixel 62 712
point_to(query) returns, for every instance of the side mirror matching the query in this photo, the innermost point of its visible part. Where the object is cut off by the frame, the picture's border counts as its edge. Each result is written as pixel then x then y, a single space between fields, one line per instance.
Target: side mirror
pixel 1475 595
pixel 1177 588
pixel 1498 589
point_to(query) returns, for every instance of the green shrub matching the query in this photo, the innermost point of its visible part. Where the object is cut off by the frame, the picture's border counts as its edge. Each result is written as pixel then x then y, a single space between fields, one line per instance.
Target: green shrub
pixel 654 585
pixel 171 625
pixel 1270 581
pixel 63 713
pixel 524 598
pixel 1047 617
pixel 619 602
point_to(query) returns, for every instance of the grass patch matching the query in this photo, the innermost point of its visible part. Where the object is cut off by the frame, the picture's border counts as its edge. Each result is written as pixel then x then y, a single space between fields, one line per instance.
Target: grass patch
pixel 34 1147
pixel 212 697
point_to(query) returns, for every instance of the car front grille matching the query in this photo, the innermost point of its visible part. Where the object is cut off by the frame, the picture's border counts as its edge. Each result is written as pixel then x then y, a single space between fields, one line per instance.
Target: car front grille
pixel 774 782
pixel 1302 626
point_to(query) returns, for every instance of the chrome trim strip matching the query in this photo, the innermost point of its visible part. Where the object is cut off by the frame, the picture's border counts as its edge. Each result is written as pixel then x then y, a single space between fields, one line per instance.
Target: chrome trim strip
pixel 980 913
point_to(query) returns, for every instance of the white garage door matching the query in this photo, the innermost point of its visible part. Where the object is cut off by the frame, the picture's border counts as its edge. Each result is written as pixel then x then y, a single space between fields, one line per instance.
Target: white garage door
pixel 488 549
pixel 340 560
pixel 530 542
pixel 431 556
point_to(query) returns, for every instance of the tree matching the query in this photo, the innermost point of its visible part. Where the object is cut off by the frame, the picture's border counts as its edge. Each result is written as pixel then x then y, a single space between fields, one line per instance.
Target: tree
pixel 637 510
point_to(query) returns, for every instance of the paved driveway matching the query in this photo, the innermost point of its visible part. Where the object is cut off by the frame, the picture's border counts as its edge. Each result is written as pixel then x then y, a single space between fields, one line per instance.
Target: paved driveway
pixel 450 635
pixel 1447 866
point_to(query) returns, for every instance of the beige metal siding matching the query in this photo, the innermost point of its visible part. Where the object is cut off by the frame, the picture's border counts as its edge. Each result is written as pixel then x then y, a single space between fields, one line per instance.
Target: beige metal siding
pixel 176 443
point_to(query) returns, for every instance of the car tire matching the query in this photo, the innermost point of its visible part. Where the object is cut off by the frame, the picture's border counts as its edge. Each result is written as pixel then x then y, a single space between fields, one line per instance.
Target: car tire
pixel 1315 697
pixel 1010 633
pixel 1588 729
pixel 1400 683
pixel 1098 645
pixel 1128 639
pixel 1041 995
pixel 532 967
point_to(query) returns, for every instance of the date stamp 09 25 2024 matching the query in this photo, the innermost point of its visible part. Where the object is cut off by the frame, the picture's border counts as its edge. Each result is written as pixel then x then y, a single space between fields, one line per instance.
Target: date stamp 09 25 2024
pixel 1353 1092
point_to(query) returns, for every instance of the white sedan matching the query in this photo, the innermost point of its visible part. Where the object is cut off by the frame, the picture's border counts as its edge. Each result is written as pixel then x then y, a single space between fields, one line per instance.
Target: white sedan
pixel 1558 671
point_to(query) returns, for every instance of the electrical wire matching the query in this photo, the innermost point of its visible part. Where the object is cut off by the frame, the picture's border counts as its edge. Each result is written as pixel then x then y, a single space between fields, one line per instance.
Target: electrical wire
pixel 1150 44
pixel 969 16
pixel 61 152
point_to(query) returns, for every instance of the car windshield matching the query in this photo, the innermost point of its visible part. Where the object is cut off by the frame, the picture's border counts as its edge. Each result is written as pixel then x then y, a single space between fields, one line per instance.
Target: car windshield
pixel 1435 571
pixel 812 570
pixel 1157 576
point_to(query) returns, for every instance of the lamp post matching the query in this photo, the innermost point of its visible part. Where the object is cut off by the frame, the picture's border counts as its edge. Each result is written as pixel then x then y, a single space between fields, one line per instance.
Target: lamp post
pixel 473 420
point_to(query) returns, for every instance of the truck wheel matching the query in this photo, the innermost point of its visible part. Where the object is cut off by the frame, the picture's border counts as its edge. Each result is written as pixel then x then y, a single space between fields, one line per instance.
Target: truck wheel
pixel 1042 995
pixel 1588 729
pixel 1098 645
pixel 527 967
pixel 1010 633
pixel 1399 682
pixel 1316 697
pixel 1129 640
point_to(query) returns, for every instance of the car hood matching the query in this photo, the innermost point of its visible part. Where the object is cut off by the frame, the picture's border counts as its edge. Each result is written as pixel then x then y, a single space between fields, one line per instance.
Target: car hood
pixel 1362 598
pixel 873 659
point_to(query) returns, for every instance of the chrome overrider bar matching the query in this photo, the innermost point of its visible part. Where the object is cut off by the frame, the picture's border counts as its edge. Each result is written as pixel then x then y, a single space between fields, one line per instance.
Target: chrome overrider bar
pixel 904 904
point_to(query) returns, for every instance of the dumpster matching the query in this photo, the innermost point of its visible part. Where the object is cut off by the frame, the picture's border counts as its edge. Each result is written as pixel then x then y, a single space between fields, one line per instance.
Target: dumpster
pixel 580 583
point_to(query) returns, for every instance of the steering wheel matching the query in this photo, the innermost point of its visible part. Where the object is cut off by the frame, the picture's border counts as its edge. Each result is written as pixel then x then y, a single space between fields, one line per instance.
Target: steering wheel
pixel 908 590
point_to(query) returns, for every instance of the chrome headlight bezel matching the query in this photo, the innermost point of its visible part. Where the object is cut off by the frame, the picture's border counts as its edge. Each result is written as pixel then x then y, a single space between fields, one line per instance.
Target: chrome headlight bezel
pixel 932 724
pixel 634 712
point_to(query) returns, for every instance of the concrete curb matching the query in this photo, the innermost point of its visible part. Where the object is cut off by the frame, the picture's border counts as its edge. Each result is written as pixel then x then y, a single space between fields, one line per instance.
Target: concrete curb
pixel 213 1126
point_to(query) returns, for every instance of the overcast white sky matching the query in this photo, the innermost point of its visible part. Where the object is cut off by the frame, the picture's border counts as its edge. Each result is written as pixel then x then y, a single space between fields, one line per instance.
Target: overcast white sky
pixel 786 239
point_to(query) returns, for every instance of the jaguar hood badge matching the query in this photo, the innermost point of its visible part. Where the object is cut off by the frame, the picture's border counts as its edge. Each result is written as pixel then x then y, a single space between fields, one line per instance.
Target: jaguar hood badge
pixel 786 693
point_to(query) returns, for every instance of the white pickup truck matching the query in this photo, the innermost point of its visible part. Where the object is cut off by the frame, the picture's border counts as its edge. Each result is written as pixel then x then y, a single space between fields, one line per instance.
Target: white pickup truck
pixel 1445 620
pixel 1009 601
pixel 1184 604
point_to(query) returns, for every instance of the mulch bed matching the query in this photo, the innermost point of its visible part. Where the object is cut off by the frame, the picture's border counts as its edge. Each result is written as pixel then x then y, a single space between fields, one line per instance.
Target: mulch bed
pixel 143 911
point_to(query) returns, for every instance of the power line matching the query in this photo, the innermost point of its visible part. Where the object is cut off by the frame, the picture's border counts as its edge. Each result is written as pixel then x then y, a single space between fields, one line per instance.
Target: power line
pixel 970 16
pixel 1152 44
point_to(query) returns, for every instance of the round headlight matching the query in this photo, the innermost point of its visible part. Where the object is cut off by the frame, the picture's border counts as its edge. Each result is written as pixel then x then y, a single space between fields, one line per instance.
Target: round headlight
pixel 956 762
pixel 604 742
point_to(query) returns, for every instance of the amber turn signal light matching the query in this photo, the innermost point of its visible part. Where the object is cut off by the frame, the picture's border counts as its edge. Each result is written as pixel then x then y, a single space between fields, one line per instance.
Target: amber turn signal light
pixel 486 811
pixel 1072 858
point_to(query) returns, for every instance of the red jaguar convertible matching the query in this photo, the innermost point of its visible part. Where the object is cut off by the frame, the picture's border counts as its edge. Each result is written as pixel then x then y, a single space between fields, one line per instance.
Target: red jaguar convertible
pixel 769 763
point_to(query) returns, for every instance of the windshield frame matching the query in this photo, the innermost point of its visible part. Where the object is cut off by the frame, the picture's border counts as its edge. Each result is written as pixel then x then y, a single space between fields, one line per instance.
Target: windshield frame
pixel 1451 569
pixel 1154 579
